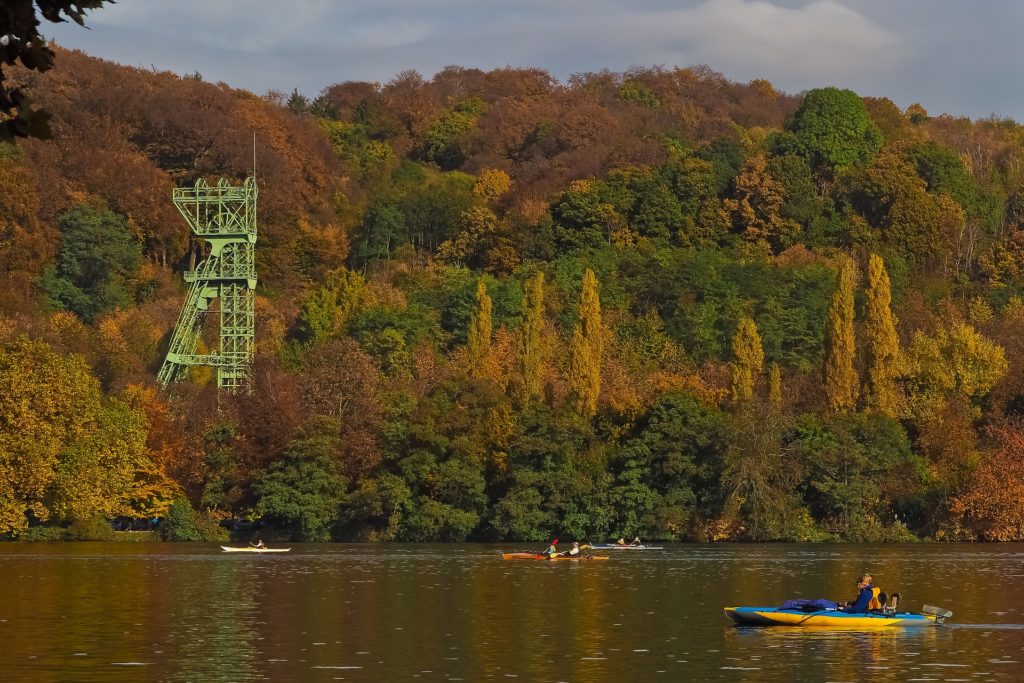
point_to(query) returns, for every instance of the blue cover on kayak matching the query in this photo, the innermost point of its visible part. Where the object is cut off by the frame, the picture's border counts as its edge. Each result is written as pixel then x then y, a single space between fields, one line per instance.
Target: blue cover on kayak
pixel 810 605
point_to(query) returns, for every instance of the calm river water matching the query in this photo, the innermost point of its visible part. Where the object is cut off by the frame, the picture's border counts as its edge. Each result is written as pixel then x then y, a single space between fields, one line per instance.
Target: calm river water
pixel 188 612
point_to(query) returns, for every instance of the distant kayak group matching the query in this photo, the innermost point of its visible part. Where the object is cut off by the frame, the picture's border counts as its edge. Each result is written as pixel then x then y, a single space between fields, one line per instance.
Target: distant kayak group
pixel 579 551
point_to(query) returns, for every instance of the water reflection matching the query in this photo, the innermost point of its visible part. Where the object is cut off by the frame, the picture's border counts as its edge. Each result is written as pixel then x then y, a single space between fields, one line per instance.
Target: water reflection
pixel 96 612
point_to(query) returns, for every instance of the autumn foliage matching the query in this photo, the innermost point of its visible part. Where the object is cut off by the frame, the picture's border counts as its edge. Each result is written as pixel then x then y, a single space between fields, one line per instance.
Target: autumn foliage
pixel 493 306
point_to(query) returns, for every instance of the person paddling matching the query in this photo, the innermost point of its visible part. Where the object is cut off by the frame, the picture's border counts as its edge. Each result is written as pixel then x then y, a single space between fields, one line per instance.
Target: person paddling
pixel 552 550
pixel 573 551
pixel 867 597
pixel 259 544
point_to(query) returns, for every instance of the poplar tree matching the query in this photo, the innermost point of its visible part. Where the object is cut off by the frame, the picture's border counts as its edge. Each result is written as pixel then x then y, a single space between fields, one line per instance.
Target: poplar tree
pixel 533 328
pixel 841 382
pixel 480 333
pixel 587 348
pixel 775 386
pixel 748 360
pixel 882 345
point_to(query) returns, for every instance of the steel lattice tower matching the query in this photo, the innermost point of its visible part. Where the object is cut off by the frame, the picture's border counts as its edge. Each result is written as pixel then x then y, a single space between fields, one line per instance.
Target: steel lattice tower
pixel 225 216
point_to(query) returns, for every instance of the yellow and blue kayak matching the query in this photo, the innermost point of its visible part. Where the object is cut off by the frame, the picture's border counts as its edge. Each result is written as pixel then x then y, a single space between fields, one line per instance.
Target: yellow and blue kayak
pixel 773 616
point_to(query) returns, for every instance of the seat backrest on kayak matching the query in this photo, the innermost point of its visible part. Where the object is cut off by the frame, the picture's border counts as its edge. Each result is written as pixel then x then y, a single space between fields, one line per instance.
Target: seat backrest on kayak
pixel 890 606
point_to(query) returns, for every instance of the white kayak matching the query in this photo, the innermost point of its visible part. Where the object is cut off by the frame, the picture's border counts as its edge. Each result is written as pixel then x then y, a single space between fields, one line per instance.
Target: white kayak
pixel 250 549
pixel 612 546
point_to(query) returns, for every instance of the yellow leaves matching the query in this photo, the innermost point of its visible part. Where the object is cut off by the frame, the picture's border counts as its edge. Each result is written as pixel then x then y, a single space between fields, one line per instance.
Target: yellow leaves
pixel 764 88
pixel 127 342
pixel 624 238
pixel 582 186
pixel 380 293
pixel 586 349
pixel 326 245
pixel 531 358
pixel 63 452
pixel 955 361
pixel 916 113
pixel 492 185
pixel 748 360
pixel 475 225
pixel 48 403
pixel 757 204
pixel 979 312
pixel 479 335
pixel 882 346
pixel 842 385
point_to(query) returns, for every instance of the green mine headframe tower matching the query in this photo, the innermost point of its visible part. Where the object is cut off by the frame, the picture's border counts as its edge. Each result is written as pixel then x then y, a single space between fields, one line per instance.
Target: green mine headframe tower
pixel 225 216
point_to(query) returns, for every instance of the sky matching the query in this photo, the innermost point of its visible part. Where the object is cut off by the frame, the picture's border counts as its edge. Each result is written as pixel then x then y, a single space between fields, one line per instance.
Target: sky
pixel 962 57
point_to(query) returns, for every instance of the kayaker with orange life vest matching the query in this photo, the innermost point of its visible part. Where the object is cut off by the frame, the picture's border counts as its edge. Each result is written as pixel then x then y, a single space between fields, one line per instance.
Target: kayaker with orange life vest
pixel 867 597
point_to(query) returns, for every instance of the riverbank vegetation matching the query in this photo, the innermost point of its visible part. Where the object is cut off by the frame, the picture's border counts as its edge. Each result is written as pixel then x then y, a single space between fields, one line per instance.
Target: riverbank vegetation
pixel 496 307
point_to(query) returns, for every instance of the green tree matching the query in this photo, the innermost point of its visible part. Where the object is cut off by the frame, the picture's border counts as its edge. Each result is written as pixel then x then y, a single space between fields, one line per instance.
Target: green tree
pixel 329 307
pixel 668 469
pixel 382 230
pixel 944 172
pixel 762 478
pixel 856 465
pixel 377 508
pixel 97 263
pixel 900 212
pixel 303 491
pixel 726 156
pixel 833 129
pixel 586 349
pixel 801 204
pixel 584 217
pixel 882 345
pixel 841 382
pixel 444 140
pixel 748 360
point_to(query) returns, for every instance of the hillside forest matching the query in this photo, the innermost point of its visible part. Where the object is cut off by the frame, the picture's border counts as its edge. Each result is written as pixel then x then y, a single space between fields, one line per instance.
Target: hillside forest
pixel 497 307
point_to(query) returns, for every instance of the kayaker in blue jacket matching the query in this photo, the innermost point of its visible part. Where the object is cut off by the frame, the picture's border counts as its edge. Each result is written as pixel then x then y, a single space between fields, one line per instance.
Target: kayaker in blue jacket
pixel 552 549
pixel 867 597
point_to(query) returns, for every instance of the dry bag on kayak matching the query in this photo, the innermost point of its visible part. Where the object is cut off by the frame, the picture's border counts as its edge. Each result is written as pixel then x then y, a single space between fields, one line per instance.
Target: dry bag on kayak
pixel 810 605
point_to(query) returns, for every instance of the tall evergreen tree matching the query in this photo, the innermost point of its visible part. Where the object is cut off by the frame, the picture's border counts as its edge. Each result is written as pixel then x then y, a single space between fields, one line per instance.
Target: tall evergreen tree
pixel 882 346
pixel 748 359
pixel 587 348
pixel 480 333
pixel 533 328
pixel 841 381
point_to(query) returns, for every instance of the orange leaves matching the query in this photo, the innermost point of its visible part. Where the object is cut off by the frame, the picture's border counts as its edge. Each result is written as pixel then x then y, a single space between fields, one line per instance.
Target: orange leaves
pixel 992 507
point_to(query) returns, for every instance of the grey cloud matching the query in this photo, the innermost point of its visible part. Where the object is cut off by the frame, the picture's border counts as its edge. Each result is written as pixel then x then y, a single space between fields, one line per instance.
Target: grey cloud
pixel 947 54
